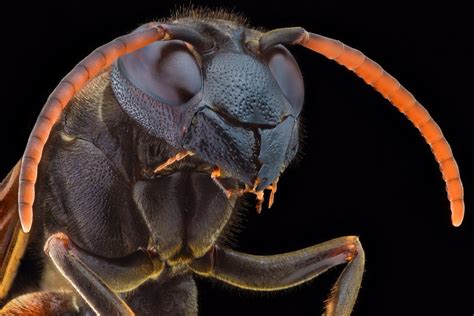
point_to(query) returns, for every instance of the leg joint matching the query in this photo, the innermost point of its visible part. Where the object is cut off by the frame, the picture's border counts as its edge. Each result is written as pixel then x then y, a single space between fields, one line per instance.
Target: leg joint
pixel 352 248
pixel 205 265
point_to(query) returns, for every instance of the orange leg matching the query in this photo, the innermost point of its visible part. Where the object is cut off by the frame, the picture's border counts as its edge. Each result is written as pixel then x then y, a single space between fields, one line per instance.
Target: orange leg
pixel 41 304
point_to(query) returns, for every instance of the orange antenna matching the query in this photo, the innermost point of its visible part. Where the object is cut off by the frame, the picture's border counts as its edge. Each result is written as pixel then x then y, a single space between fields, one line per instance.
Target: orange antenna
pixel 404 101
pixel 68 87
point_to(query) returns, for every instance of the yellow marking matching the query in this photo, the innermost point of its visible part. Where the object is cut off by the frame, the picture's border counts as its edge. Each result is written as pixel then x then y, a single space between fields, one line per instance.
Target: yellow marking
pixel 179 156
pixel 260 199
pixel 259 195
pixel 67 138
pixel 273 187
pixel 17 243
pixel 15 254
pixel 215 174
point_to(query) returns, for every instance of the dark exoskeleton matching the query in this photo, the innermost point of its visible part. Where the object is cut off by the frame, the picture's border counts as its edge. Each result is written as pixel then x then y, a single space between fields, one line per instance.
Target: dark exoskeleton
pixel 149 144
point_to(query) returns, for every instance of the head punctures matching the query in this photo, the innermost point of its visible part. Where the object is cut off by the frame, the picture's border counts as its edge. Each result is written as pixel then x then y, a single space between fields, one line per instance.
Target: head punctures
pixel 403 100
pixel 69 86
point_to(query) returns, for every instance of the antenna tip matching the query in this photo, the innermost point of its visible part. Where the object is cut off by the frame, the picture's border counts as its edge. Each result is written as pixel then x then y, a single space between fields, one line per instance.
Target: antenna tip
pixel 26 217
pixel 457 212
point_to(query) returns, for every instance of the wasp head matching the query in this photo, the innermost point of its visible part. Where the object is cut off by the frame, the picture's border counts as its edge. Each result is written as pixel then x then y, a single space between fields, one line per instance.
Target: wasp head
pixel 215 95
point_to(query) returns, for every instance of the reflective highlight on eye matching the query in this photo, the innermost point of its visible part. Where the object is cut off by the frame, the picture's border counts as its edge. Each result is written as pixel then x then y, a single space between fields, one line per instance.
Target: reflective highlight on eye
pixel 287 74
pixel 166 71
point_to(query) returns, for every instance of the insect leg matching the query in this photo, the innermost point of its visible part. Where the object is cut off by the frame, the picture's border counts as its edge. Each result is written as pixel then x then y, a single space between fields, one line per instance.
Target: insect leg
pixel 41 303
pixel 276 272
pixel 12 239
pixel 96 279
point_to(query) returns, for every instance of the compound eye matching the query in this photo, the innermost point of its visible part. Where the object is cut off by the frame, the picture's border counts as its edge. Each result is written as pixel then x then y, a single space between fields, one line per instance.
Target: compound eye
pixel 166 71
pixel 287 74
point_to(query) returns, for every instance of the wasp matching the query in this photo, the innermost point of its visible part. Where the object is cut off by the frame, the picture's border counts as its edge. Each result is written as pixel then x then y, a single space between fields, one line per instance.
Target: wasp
pixel 140 157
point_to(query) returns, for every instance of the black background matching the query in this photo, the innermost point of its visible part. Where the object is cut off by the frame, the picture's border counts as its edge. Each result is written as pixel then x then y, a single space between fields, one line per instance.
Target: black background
pixel 364 170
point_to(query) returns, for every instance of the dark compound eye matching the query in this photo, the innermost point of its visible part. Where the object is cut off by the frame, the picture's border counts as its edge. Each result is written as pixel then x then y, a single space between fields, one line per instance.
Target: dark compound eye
pixel 166 71
pixel 287 74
